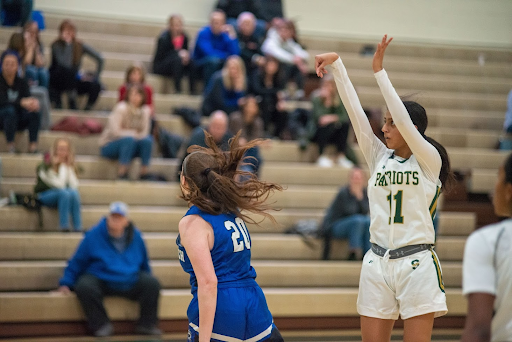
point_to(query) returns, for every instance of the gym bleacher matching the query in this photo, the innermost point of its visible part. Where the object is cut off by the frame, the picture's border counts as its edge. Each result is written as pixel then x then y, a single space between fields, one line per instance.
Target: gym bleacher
pixel 465 102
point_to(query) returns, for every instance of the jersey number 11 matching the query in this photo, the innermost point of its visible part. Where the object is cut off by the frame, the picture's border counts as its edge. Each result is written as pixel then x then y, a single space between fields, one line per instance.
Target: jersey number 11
pixel 398 207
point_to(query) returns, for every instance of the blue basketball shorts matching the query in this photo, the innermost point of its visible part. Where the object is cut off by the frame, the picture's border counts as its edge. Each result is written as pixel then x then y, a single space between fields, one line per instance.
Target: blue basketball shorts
pixel 242 314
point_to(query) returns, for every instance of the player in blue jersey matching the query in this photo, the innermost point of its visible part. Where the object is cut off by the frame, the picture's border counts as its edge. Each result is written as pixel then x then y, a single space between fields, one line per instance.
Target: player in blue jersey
pixel 215 245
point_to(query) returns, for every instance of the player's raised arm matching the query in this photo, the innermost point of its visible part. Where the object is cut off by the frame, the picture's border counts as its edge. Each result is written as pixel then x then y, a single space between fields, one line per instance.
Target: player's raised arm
pixel 426 154
pixel 370 145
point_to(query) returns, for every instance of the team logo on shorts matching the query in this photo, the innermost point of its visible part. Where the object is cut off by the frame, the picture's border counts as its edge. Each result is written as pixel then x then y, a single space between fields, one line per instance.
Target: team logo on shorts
pixel 415 263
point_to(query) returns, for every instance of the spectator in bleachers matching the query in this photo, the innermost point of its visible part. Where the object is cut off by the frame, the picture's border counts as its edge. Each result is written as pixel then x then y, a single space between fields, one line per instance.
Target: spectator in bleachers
pixel 126 135
pixel 57 184
pixel 233 9
pixel 226 87
pixel 214 44
pixel 271 9
pixel 487 270
pixel 112 260
pixel 172 57
pixel 280 44
pixel 65 73
pixel 268 82
pixel 18 109
pixel 136 75
pixel 15 12
pixel 248 120
pixel 507 125
pixel 250 42
pixel 218 127
pixel 348 217
pixel 329 124
pixel 17 42
pixel 34 61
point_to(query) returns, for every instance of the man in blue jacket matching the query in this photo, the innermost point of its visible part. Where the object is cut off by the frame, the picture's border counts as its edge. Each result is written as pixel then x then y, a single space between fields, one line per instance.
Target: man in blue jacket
pixel 214 43
pixel 112 260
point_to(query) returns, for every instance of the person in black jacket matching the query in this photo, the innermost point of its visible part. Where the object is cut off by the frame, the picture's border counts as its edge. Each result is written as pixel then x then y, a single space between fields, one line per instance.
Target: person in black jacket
pixel 172 58
pixel 18 109
pixel 250 42
pixel 348 217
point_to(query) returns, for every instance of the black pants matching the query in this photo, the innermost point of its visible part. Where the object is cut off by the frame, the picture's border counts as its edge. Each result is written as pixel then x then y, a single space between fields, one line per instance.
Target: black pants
pixel 91 290
pixel 292 73
pixel 64 80
pixel 333 134
pixel 14 119
pixel 174 68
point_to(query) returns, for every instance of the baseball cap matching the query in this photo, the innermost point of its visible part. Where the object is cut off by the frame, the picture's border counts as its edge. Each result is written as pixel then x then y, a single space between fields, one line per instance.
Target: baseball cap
pixel 119 208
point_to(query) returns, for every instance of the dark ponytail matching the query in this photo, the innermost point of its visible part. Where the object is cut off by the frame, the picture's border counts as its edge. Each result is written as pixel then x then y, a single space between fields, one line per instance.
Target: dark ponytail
pixel 216 185
pixel 419 119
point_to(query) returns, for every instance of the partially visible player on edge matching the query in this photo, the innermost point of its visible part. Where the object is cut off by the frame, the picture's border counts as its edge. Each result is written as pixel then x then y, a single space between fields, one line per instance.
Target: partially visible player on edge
pixel 215 245
pixel 400 274
pixel 487 270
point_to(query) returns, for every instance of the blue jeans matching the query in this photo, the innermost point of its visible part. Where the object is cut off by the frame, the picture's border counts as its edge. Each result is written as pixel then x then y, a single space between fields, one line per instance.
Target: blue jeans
pixel 39 75
pixel 356 229
pixel 253 159
pixel 67 201
pixel 126 149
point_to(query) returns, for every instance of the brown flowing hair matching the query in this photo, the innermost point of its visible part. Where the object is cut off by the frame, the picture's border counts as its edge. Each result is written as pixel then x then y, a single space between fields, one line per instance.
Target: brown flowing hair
pixel 78 49
pixel 216 185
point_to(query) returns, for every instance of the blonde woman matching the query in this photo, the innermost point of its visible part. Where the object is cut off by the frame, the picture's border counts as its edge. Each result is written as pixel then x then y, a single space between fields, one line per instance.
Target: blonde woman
pixel 57 184
pixel 226 87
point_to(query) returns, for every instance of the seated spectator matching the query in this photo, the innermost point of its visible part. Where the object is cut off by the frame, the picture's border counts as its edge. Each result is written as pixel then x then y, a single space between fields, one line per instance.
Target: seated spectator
pixel 217 127
pixel 168 143
pixel 34 61
pixel 348 218
pixel 57 184
pixel 136 75
pixel 172 58
pixel 329 124
pixel 249 42
pixel 126 135
pixel 18 109
pixel 294 58
pixel 271 9
pixel 268 83
pixel 65 73
pixel 233 9
pixel 226 87
pixel 248 120
pixel 112 260
pixel 214 44
pixel 17 42
pixel 15 12
pixel 487 269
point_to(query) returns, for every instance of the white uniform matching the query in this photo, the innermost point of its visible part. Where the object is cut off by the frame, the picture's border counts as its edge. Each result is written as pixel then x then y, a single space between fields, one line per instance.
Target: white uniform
pixel 403 197
pixel 487 268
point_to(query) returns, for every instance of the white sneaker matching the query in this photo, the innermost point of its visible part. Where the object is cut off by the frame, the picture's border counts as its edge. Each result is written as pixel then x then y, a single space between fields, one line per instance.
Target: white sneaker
pixel 324 161
pixel 345 163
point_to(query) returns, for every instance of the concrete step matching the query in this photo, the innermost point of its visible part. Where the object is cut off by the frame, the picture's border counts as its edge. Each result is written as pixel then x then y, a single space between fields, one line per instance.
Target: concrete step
pixel 162 246
pixel 463 137
pixel 45 275
pixel 160 193
pixel 166 219
pixel 483 181
pixel 89 167
pixel 308 302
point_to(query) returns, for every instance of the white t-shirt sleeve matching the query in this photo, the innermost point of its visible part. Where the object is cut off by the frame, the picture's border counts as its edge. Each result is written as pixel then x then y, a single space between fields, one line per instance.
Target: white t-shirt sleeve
pixel 478 272
pixel 425 153
pixel 371 146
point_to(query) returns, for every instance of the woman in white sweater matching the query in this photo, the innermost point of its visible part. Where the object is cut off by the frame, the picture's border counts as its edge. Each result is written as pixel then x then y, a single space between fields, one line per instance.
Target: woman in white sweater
pixel 57 184
pixel 126 135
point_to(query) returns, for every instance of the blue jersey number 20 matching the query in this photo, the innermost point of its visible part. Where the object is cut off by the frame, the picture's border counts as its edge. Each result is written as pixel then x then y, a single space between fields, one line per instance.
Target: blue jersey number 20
pixel 237 229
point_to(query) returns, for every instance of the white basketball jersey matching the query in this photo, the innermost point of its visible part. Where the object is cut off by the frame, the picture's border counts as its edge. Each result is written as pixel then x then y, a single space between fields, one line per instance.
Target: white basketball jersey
pixel 403 202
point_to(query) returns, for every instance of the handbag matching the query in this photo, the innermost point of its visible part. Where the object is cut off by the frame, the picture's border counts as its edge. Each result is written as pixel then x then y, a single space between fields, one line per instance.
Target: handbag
pixel 28 201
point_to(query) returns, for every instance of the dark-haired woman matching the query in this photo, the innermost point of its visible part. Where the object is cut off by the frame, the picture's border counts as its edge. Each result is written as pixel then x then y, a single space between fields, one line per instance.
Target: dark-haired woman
pixel 487 270
pixel 126 135
pixel 401 274
pixel 65 76
pixel 215 245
